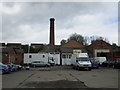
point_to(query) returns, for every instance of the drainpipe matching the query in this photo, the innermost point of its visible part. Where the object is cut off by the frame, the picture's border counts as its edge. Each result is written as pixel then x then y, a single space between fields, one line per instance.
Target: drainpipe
pixel 9 59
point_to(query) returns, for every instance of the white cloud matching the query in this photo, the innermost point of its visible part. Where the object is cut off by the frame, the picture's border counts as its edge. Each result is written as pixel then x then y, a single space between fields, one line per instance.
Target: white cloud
pixel 90 25
pixel 11 10
pixel 60 0
pixel 29 22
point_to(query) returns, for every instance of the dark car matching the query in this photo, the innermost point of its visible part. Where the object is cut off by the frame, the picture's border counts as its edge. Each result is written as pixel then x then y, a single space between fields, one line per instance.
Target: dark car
pixel 19 67
pixel 4 68
pixel 108 63
pixel 117 63
pixel 14 67
pixel 9 66
pixel 95 63
pixel 40 64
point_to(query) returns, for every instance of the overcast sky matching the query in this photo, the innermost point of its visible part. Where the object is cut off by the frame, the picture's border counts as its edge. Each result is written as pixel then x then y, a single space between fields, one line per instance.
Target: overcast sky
pixel 29 22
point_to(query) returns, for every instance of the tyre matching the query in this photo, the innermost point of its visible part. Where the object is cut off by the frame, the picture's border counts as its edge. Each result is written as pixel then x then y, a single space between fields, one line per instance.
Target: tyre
pixel 114 67
pixel 73 67
pixel 98 67
pixel 46 65
pixel 89 69
pixel 3 71
pixel 78 68
pixel 34 66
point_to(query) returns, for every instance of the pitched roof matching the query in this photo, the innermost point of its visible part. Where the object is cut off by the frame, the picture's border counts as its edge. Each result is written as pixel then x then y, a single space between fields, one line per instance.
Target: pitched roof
pixel 99 42
pixel 72 44
pixel 48 48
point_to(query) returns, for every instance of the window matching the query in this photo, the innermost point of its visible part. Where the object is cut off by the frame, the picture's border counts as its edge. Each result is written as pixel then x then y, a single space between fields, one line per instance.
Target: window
pixel 30 56
pixel 5 54
pixel 43 56
pixel 16 59
pixel 67 56
pixel 63 56
pixel 70 56
pixel 33 46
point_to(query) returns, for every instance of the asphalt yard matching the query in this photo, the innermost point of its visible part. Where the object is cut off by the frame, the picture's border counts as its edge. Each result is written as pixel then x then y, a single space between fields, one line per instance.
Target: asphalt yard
pixel 61 77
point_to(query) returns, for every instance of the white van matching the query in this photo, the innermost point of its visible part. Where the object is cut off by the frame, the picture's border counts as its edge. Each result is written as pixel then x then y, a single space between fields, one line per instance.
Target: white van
pixel 81 61
pixel 101 59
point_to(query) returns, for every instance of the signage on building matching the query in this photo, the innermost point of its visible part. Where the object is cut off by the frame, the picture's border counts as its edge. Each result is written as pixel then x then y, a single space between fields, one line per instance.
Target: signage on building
pixel 77 51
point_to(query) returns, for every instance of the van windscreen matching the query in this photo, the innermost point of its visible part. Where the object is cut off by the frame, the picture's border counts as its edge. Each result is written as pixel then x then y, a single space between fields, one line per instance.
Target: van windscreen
pixel 82 59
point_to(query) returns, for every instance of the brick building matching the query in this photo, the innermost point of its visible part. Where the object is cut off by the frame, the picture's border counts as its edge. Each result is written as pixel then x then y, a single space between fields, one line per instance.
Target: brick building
pixel 100 48
pixel 14 45
pixel 12 55
pixel 116 52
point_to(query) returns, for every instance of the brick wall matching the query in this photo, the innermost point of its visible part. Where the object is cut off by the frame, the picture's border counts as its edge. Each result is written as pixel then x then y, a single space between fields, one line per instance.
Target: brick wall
pixel 11 56
pixel 99 44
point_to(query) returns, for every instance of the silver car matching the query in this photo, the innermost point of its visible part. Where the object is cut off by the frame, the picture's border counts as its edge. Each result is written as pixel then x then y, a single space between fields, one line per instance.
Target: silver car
pixel 40 64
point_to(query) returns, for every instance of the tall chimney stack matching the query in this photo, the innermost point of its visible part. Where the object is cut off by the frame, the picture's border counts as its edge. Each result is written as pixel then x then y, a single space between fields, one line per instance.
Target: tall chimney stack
pixel 52 39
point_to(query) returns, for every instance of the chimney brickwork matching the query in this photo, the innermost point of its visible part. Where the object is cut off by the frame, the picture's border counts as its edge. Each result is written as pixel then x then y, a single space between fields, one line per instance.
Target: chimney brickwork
pixel 52 36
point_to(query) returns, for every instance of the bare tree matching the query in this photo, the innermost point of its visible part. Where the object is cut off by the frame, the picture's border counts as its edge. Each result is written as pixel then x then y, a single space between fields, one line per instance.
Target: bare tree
pixel 63 41
pixel 86 40
pixel 77 37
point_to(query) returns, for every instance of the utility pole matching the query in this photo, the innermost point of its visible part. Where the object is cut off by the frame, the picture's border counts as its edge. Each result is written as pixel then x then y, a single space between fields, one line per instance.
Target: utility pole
pixel 28 49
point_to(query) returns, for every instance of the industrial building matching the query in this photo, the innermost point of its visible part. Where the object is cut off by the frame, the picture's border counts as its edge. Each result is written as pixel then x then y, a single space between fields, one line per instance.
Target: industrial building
pixel 64 52
pixel 61 53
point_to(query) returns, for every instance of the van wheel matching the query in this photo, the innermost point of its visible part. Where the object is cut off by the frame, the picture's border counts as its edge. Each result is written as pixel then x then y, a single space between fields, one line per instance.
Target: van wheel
pixel 46 66
pixel 89 69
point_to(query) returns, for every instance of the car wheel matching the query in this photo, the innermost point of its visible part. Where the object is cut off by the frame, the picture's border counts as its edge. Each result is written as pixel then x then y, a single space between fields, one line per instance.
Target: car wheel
pixel 3 71
pixel 34 66
pixel 97 67
pixel 114 66
pixel 78 68
pixel 73 67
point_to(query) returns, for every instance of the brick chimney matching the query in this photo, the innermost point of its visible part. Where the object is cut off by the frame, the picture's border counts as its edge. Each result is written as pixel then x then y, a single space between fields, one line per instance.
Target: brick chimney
pixel 52 39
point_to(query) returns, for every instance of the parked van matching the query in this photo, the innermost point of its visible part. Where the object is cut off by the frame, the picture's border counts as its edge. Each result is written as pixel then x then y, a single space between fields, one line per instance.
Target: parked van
pixel 101 59
pixel 81 61
pixel 45 57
